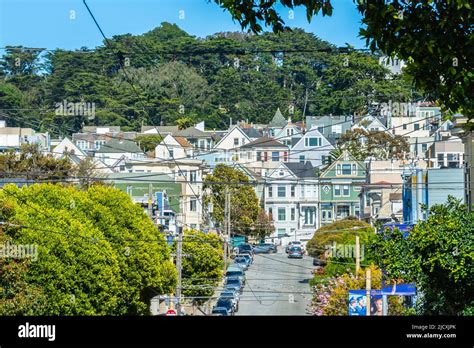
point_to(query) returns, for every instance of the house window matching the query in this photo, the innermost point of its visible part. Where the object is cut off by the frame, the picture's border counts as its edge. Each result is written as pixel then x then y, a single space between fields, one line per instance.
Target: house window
pixel 416 126
pixel 337 190
pixel 193 204
pixel 301 158
pixel 281 232
pixel 281 214
pixel 281 191
pixel 325 159
pixel 292 190
pixel 171 153
pixel 354 169
pixel 357 210
pixel 265 156
pixel 249 155
pixel 345 190
pixel 292 214
pixel 259 156
pixel 309 213
pixel 192 175
pixel 327 215
pixel 338 169
pixel 404 126
pixel 275 156
pixel 302 191
pixel 424 147
pixel 312 142
pixel 346 169
pixel 343 211
pixel 236 141
pixel 441 159
pixel 270 191
pixel 285 156
pixel 453 160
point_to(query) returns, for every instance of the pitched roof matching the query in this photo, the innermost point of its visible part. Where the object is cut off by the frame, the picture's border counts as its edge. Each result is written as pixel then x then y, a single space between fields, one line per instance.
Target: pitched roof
pixel 182 141
pixel 192 132
pixel 252 132
pixel 264 142
pixel 302 170
pixel 278 120
pixel 119 146
pixel 161 129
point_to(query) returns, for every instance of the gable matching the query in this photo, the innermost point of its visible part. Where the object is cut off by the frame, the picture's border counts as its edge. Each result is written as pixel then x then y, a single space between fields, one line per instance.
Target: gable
pixel 287 174
pixel 67 143
pixel 234 132
pixel 313 133
pixel 345 158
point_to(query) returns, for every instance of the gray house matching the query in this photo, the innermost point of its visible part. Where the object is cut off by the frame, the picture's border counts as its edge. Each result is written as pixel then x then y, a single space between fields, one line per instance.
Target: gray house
pixel 331 127
pixel 312 147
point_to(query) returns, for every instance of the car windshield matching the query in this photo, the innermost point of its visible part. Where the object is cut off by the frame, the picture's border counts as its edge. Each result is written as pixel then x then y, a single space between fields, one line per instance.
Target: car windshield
pixel 296 249
pixel 233 273
pixel 233 281
pixel 240 259
pixel 223 303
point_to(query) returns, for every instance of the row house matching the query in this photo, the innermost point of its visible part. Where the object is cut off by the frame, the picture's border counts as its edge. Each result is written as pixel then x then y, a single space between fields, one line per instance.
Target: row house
pixel 116 152
pixel 173 147
pixel 291 200
pixel 263 155
pixel 12 138
pixel 186 172
pixel 448 153
pixel 312 147
pixel 340 185
pixel 92 138
pixel 381 196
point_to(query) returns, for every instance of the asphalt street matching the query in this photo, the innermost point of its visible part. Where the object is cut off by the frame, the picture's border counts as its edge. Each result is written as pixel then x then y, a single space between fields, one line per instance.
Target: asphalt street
pixel 277 285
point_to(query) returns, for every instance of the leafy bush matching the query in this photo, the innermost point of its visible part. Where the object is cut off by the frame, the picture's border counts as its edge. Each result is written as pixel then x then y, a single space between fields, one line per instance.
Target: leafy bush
pixel 98 253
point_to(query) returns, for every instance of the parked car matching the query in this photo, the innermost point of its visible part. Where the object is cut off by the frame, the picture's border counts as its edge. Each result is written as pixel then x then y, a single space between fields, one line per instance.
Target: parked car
pixel 272 246
pixel 248 257
pixel 295 252
pixel 235 284
pixel 262 249
pixel 225 303
pixel 236 271
pixel 290 244
pixel 242 261
pixel 318 262
pixel 245 248
pixel 220 311
pixel 233 296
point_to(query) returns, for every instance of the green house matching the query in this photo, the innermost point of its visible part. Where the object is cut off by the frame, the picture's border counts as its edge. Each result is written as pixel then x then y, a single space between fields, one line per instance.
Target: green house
pixel 340 185
pixel 137 185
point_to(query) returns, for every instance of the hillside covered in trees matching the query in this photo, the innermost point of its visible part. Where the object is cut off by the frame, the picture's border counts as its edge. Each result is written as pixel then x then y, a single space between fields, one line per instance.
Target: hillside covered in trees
pixel 166 74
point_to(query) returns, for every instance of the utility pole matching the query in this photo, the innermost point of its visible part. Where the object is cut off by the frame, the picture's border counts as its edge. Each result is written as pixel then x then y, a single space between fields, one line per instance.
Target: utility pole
pixel 357 255
pixel 226 225
pixel 368 285
pixel 179 268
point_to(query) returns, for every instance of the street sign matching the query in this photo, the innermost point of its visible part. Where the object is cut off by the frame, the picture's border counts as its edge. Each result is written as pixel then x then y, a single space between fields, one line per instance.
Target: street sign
pixel 171 312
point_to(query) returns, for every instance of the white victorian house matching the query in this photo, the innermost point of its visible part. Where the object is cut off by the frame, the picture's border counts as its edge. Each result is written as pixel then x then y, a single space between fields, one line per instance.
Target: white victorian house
pixel 312 147
pixel 291 199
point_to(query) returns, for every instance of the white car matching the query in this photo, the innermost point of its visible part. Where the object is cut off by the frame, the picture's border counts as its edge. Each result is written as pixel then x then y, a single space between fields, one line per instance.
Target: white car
pixel 294 243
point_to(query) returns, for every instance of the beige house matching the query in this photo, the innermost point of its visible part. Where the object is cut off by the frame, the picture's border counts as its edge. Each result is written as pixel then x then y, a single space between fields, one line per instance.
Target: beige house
pixel 381 196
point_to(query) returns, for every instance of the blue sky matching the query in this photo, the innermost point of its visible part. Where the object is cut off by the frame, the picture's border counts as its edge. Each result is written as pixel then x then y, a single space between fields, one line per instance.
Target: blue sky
pixel 48 23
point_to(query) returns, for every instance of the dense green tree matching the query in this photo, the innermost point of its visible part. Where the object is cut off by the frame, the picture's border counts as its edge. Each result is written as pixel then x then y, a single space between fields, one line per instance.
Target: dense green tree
pixel 438 255
pixel 203 263
pixel 245 206
pixel 32 163
pixel 378 145
pixel 434 36
pixel 97 253
pixel 148 142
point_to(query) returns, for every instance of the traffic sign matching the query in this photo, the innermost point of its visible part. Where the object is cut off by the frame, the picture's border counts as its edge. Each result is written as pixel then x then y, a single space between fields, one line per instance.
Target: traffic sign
pixel 171 312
